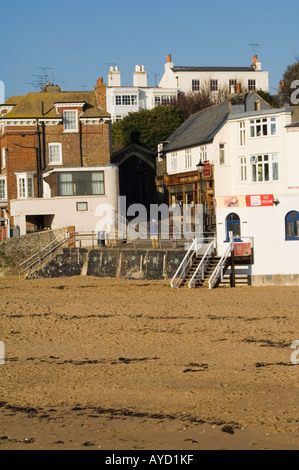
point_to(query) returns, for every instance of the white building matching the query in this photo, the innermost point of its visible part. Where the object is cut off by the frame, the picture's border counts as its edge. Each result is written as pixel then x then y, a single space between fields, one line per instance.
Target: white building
pixel 80 197
pixel 122 100
pixel 253 150
pixel 230 79
pixel 257 191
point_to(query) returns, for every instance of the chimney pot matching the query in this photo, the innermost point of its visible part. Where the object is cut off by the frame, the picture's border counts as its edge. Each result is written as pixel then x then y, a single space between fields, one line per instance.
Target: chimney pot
pixel 168 58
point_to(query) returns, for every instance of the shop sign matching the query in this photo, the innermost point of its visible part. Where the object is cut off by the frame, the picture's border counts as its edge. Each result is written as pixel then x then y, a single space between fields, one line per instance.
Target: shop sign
pixel 207 170
pixel 259 200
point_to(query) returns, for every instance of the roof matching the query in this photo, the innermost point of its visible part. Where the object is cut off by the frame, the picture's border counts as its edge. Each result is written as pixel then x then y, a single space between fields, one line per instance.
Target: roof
pixel 294 124
pixel 212 69
pixel 200 128
pixel 42 105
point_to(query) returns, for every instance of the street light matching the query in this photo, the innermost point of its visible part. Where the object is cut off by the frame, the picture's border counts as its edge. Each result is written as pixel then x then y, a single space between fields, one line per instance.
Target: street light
pixel 200 167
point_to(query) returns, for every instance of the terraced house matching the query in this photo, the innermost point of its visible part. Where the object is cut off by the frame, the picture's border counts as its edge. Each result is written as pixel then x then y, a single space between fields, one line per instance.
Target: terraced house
pixel 55 160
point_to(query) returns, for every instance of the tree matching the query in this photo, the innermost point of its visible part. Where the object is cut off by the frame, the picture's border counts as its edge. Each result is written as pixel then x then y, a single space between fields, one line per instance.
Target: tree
pixel 290 76
pixel 146 127
pixel 265 95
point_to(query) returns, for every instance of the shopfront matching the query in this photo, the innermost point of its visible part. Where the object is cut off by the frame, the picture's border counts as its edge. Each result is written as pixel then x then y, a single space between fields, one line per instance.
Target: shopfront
pixel 186 189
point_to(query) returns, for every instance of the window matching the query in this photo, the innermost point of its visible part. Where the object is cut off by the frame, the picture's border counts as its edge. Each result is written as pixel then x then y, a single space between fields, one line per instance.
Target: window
pixel 55 154
pixel 3 193
pixel 232 86
pixel 214 85
pixel 195 85
pixel 173 161
pixel 292 225
pixel 81 183
pixel 163 99
pixel 243 169
pixel 251 85
pixel 70 120
pixel 188 158
pixel 3 157
pixel 233 227
pixel 25 183
pixel 125 100
pixel 264 168
pixel 262 127
pixel 242 134
pixel 81 206
pixel 203 153
pixel 222 154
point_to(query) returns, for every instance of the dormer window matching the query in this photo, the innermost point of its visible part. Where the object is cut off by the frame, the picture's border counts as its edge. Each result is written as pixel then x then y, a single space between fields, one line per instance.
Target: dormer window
pixel 70 121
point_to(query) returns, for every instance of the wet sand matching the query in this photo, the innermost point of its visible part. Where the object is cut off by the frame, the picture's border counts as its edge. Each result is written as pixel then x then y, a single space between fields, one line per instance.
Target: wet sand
pixel 110 364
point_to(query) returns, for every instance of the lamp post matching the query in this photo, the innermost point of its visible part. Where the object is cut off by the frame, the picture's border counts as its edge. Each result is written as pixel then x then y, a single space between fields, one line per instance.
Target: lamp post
pixel 200 168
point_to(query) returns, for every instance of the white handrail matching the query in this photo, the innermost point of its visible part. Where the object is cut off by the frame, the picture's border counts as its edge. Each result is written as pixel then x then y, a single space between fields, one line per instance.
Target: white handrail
pixel 219 268
pixel 201 266
pixel 181 271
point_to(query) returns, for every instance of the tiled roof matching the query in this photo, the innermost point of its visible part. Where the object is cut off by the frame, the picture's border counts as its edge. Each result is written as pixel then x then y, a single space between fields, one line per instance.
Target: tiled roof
pixel 42 105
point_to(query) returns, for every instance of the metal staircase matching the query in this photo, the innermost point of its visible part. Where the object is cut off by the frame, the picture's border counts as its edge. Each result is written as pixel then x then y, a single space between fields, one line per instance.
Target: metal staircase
pixel 202 270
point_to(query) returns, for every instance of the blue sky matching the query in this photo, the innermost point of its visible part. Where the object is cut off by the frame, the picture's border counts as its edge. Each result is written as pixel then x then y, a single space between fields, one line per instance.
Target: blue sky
pixel 79 38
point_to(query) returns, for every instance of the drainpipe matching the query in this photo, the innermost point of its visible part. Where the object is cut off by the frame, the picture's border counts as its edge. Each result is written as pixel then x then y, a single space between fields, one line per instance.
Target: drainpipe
pixel 80 142
pixel 39 162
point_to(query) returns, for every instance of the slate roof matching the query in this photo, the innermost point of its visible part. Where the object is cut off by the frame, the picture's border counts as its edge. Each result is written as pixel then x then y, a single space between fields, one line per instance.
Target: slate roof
pixel 31 105
pixel 212 69
pixel 200 128
pixel 294 124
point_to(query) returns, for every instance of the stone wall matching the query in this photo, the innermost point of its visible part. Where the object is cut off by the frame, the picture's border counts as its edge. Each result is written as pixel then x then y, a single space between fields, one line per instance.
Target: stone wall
pixel 114 263
pixel 14 251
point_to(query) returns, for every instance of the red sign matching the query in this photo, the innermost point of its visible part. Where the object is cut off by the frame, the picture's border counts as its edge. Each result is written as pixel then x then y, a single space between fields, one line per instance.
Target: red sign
pixel 242 249
pixel 207 170
pixel 259 200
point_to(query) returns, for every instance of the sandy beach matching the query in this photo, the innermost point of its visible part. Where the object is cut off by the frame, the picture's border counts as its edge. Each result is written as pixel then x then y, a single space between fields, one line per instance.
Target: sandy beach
pixel 107 364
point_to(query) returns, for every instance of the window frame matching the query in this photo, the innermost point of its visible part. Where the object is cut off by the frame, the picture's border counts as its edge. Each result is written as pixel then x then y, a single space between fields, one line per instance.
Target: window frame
pixel 214 85
pixel 66 120
pixel 188 159
pixel 173 162
pixel 242 134
pixel 52 145
pixel 243 169
pixel 26 191
pixel 74 183
pixel 251 84
pixel 264 167
pixel 293 222
pixel 195 85
pixel 263 127
pixel 233 223
pixel 222 152
pixel 4 180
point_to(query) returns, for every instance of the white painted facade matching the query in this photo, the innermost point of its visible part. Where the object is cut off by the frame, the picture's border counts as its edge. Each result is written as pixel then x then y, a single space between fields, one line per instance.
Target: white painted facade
pixel 83 212
pixel 188 79
pixel 122 100
pixel 264 166
pixel 275 157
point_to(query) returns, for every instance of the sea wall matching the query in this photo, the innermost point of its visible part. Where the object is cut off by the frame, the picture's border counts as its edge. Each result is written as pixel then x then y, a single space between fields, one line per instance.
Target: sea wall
pixel 114 263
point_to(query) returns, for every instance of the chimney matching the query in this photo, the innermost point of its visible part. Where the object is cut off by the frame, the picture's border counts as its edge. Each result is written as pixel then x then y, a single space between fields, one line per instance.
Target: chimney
pixel 140 76
pixel 169 63
pixel 100 91
pixel 114 76
pixel 256 64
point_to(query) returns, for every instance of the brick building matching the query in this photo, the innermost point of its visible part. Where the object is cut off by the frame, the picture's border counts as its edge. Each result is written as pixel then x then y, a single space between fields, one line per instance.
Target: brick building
pixel 52 144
